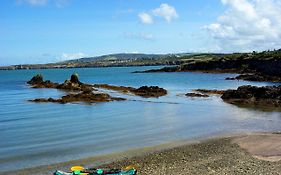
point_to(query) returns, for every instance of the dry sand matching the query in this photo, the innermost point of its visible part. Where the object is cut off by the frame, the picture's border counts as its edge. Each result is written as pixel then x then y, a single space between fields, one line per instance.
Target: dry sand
pixel 247 154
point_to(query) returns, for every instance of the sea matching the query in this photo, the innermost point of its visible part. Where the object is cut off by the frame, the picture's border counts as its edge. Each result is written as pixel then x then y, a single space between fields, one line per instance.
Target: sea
pixel 34 134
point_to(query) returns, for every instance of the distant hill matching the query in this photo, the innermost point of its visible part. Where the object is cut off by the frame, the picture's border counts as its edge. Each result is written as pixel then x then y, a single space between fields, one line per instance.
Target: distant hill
pixel 121 59
pixel 123 56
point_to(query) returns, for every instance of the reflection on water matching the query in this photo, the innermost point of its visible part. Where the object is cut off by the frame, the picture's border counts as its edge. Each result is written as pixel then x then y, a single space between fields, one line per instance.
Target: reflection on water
pixel 35 134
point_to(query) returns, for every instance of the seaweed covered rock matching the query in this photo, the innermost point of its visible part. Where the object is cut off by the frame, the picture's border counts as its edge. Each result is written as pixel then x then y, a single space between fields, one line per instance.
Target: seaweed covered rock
pixel 254 96
pixel 71 85
pixel 87 97
pixel 122 89
pixel 37 81
pixel 150 91
pixel 144 91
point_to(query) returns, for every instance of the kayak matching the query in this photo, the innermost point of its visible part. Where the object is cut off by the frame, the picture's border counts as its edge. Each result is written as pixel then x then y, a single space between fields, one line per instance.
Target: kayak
pixel 77 170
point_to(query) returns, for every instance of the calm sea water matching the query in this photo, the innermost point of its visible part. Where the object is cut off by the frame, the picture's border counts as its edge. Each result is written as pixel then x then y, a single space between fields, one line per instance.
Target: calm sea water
pixel 35 134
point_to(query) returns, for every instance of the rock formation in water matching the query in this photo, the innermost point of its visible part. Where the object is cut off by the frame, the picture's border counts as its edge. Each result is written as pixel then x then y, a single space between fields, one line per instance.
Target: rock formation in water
pixel 150 91
pixel 71 85
pixel 256 77
pixel 254 96
pixel 85 91
pixel 37 79
pixel 87 97
pixel 144 91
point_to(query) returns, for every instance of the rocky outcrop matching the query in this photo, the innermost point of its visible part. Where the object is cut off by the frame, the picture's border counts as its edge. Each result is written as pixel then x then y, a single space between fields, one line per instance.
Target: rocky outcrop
pixel 144 91
pixel 254 96
pixel 85 91
pixel 70 85
pixel 196 95
pixel 164 69
pixel 265 66
pixel 256 77
pixel 87 97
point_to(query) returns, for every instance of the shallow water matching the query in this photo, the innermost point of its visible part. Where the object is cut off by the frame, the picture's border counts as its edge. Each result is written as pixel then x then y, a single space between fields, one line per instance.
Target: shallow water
pixel 35 134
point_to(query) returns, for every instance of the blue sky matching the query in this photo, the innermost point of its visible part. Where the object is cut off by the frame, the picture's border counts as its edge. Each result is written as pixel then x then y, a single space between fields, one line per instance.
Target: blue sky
pixel 41 31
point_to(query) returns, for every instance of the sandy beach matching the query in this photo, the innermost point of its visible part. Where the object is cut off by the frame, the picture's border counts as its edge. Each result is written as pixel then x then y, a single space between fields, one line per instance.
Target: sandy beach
pixel 257 153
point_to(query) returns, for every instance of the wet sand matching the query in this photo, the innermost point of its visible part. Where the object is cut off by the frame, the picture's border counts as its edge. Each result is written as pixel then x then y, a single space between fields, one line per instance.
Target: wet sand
pixel 258 153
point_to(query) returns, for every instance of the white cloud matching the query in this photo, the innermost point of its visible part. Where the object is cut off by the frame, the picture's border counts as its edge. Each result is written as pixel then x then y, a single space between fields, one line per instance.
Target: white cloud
pixel 142 35
pixel 166 11
pixel 146 18
pixel 248 25
pixel 70 56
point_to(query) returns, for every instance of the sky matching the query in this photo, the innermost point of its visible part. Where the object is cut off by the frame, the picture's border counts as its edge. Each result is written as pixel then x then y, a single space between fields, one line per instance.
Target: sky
pixel 42 31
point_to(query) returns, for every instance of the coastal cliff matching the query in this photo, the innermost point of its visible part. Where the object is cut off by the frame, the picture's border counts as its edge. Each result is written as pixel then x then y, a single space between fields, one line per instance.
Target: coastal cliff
pixel 264 66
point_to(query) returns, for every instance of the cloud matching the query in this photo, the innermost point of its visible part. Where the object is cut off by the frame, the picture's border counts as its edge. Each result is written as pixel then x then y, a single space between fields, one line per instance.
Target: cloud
pixel 70 56
pixel 142 36
pixel 146 18
pixel 248 25
pixel 166 11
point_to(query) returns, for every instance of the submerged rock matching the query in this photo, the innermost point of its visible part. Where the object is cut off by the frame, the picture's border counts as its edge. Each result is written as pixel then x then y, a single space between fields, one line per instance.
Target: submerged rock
pixel 87 97
pixel 196 95
pixel 150 91
pixel 254 96
pixel 123 89
pixel 208 91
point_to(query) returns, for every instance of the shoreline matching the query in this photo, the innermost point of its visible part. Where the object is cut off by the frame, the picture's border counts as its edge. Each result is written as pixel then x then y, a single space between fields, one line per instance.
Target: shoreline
pixel 169 157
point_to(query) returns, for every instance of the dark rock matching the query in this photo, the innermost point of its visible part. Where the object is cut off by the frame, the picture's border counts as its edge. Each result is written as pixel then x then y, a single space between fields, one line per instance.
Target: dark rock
pixel 37 79
pixel 123 89
pixel 230 78
pixel 70 85
pixel 255 96
pixel 257 67
pixel 152 91
pixel 144 91
pixel 256 77
pixel 87 97
pixel 74 79
pixel 196 95
pixel 165 69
